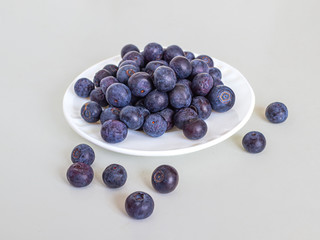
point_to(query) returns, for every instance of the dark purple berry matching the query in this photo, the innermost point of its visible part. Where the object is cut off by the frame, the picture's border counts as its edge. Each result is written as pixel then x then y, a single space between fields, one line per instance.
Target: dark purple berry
pixel 128 62
pixel 83 87
pixel 91 111
pixel 140 84
pixel 154 125
pixel 125 72
pixel 153 52
pixel 111 68
pixel 135 56
pixel 167 115
pixel 215 73
pixel 132 117
pixel 113 131
pixel 118 95
pixel 182 116
pixel 222 98
pixel 276 112
pixel 156 101
pixel 106 82
pixel 202 107
pixel 164 79
pixel 254 142
pixel 201 84
pixel 165 179
pixel 80 174
pixel 114 176
pixel 110 113
pixel 139 205
pixel 99 76
pixel 195 129
pixel 181 66
pixel 97 95
pixel 199 66
pixel 207 59
pixel 152 66
pixel 189 55
pixel 180 96
pixel 171 52
pixel 82 153
pixel 128 48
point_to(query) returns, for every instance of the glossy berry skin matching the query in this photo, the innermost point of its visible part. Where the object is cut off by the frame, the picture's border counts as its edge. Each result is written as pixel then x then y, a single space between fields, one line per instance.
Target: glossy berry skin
pixel 217 82
pixel 201 84
pixel 254 142
pixel 110 113
pixel 207 59
pixel 153 52
pixel 180 96
pixel 80 174
pixel 152 66
pixel 171 52
pixel 113 131
pixel 189 55
pixel 195 129
pixel 181 66
pixel 156 101
pixel 132 117
pixel 222 98
pixel 97 95
pixel 128 48
pixel 276 112
pixel 165 179
pixel 215 73
pixel 135 56
pixel 125 72
pixel 139 205
pixel 202 106
pixel 106 82
pixel 90 112
pixel 128 62
pixel 99 76
pixel 167 115
pixel 114 176
pixel 145 112
pixel 83 87
pixel 199 66
pixel 140 84
pixel 82 153
pixel 118 95
pixel 154 125
pixel 185 82
pixel 164 79
pixel 111 68
pixel 183 116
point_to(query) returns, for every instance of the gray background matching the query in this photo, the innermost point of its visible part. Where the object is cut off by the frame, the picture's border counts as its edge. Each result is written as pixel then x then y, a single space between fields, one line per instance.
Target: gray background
pixel 224 192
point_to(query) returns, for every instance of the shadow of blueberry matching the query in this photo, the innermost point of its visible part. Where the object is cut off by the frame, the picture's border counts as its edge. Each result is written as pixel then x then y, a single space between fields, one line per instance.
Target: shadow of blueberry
pixel 119 201
pixel 237 139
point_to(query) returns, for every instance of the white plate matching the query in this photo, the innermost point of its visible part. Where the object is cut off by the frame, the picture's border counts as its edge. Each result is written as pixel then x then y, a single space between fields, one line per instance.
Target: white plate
pixel 220 125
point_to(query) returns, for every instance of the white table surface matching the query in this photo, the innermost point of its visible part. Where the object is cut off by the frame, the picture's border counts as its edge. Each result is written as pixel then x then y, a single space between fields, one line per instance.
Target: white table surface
pixel 224 192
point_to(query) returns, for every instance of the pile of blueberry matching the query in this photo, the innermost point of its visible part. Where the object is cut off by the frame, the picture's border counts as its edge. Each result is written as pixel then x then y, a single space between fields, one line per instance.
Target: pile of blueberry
pixel 138 205
pixel 153 91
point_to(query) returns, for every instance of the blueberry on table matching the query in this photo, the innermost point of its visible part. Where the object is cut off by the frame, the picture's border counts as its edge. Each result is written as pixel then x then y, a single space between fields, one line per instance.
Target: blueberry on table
pixel 128 48
pixel 164 79
pixel 181 66
pixel 155 125
pixel 91 111
pixel 106 82
pixel 114 176
pixel 97 95
pixel 113 131
pixel 83 87
pixel 201 84
pixel 110 113
pixel 171 52
pixel 82 153
pixel 199 66
pixel 183 116
pixel 167 115
pixel 132 117
pixel 139 205
pixel 222 98
pixel 156 101
pixel 189 55
pixel 254 142
pixel 80 174
pixel 207 59
pixel 180 96
pixel 140 84
pixel 134 56
pixel 202 106
pixel 111 68
pixel 195 129
pixel 118 95
pixel 276 112
pixel 215 73
pixel 152 66
pixel 99 76
pixel 152 52
pixel 165 179
pixel 128 62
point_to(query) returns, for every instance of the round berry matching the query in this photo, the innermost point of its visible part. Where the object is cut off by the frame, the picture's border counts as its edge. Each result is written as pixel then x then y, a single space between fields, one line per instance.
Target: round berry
pixel 277 112
pixel 171 52
pixel 139 205
pixel 111 68
pixel 83 87
pixel 99 76
pixel 222 98
pixel 254 142
pixel 165 179
pixel 195 129
pixel 80 174
pixel 181 66
pixel 83 153
pixel 114 176
pixel 128 48
pixel 113 131
pixel 91 111
pixel 155 125
pixel 153 52
pixel 164 79
pixel 207 59
pixel 118 95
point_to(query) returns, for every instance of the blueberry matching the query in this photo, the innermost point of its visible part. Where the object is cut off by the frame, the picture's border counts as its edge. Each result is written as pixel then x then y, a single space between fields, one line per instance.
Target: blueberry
pixel 83 153
pixel 128 48
pixel 171 52
pixel 128 62
pixel 97 95
pixel 217 82
pixel 189 55
pixel 199 66
pixel 80 174
pixel 91 111
pixel 185 82
pixel 154 125
pixel 163 62
pixel 165 179
pixel 132 117
pixel 145 112
pixel 140 84
pixel 180 96
pixel 99 76
pixel 110 113
pixel 181 66
pixel 202 107
pixel 222 98
pixel 152 66
pixel 201 84
pixel 156 101
pixel 254 142
pixel 134 56
pixel 111 68
pixel 207 59
pixel 118 95
pixel 164 79
pixel 106 82
pixel 167 115
pixel 125 72
pixel 182 116
pixel 83 87
pixel 139 205
pixel 113 131
pixel 215 73
pixel 152 52
pixel 195 129
pixel 114 176
pixel 277 112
